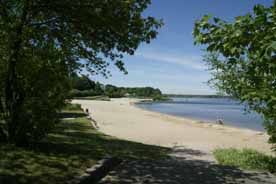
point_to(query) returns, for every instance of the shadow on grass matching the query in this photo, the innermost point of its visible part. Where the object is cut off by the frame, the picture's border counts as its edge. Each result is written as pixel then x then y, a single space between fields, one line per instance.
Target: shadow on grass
pixel 66 153
pixel 81 140
pixel 75 146
pixel 63 115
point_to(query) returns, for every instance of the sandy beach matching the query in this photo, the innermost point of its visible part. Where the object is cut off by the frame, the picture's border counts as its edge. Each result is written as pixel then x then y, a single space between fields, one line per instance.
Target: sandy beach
pixel 122 119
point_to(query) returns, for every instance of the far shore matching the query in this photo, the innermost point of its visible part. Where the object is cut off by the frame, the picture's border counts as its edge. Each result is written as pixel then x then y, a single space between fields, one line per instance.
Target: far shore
pixel 122 119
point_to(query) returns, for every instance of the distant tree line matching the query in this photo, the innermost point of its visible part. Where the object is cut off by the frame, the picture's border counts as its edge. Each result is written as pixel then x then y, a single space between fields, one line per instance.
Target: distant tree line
pixel 83 87
pixel 115 92
pixel 198 96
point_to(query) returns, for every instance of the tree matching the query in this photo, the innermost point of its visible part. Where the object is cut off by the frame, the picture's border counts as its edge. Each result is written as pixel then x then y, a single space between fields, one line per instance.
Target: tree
pixel 62 37
pixel 242 58
pixel 113 91
pixel 83 83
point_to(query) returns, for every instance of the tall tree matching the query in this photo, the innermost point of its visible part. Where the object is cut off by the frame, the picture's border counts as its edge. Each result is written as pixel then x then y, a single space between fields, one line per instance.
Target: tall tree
pixel 242 58
pixel 62 37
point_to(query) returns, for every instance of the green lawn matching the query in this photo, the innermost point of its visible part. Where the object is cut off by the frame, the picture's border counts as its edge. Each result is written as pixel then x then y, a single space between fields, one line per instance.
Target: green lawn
pixel 246 159
pixel 66 153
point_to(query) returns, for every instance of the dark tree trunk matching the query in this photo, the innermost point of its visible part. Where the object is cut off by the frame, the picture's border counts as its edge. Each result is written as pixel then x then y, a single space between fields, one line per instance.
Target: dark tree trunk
pixel 14 95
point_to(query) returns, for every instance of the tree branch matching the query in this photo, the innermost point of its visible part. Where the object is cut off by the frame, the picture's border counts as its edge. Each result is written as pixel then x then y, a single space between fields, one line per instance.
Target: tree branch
pixel 53 20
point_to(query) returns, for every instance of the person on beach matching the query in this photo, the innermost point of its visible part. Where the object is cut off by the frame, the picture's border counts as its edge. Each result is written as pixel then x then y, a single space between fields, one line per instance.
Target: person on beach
pixel 94 122
pixel 220 121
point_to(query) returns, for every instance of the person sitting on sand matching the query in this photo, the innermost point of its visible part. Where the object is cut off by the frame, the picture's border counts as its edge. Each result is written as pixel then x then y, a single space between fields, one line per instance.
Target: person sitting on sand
pixel 220 121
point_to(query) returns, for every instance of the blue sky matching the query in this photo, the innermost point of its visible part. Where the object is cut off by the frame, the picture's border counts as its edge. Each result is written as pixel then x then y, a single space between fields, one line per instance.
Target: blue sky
pixel 171 62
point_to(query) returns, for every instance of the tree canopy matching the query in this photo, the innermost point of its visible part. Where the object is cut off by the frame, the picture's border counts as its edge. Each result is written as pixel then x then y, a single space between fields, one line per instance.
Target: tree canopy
pixel 43 42
pixel 242 58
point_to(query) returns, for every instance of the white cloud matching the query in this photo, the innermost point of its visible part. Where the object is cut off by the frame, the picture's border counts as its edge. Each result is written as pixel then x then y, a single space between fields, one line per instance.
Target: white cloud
pixel 194 62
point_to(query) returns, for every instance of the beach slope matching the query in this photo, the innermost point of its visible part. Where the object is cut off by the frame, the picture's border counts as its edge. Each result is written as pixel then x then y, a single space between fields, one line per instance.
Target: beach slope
pixel 120 118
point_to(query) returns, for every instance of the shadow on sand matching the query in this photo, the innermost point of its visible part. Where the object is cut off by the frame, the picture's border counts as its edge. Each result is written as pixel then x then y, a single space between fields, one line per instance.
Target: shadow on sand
pixel 177 170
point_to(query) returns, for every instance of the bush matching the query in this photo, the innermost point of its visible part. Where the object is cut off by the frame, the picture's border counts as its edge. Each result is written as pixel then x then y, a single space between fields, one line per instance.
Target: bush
pixel 40 97
pixel 246 159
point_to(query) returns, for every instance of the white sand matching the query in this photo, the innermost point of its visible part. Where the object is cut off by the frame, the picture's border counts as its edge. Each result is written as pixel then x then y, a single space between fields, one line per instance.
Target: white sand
pixel 120 118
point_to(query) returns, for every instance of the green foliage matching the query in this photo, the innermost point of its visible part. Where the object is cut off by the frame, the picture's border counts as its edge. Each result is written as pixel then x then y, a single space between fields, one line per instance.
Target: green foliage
pixel 43 92
pixel 113 91
pixel 85 93
pixel 116 92
pixel 246 159
pixel 83 83
pixel 144 92
pixel 242 58
pixel 85 87
pixel 43 43
pixel 160 98
pixel 64 154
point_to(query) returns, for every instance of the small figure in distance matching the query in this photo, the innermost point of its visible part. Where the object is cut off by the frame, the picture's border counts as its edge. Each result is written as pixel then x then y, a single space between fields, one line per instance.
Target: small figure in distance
pixel 220 121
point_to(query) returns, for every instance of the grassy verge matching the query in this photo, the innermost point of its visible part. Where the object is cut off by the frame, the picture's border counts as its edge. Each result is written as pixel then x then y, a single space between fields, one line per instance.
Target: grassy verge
pixel 102 98
pixel 72 107
pixel 72 147
pixel 246 159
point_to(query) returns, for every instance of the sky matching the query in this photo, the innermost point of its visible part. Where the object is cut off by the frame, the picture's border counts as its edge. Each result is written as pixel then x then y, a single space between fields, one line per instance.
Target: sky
pixel 172 62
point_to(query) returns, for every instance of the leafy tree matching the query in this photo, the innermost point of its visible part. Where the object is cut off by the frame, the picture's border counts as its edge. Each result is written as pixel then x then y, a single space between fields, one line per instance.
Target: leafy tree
pixel 242 58
pixel 113 92
pixel 83 86
pixel 83 83
pixel 99 88
pixel 62 37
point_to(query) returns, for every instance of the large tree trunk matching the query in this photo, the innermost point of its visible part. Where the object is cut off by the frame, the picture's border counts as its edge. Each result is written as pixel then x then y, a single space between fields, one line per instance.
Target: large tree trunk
pixel 14 94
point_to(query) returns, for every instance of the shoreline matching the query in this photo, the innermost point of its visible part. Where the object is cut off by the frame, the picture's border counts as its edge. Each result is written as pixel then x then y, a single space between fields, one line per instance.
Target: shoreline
pixel 209 123
pixel 122 119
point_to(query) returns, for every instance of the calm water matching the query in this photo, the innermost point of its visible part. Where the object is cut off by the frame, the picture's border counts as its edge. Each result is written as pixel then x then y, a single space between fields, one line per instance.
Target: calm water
pixel 209 109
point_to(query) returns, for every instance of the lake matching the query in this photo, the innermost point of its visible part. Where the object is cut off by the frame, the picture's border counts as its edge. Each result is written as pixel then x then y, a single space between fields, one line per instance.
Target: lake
pixel 232 112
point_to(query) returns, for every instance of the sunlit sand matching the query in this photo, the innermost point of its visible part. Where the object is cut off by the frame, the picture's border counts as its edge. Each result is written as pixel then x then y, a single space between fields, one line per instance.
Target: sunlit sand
pixel 120 118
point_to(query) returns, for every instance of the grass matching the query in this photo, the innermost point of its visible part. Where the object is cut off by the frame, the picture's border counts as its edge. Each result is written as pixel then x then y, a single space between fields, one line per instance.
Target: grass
pixel 72 107
pixel 72 147
pixel 102 98
pixel 246 159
